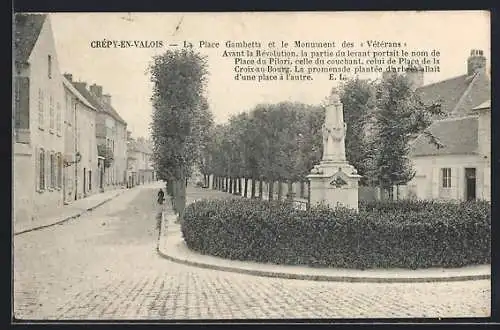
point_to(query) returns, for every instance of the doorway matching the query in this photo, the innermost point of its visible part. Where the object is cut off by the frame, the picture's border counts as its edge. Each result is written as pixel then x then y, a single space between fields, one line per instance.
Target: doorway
pixel 470 184
pixel 84 181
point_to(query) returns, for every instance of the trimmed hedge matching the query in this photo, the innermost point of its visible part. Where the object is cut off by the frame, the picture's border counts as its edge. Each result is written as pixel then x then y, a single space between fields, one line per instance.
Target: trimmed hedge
pixel 402 234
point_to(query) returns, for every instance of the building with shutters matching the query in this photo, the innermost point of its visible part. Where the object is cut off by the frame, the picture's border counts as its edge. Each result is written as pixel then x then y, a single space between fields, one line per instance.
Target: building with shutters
pixel 81 176
pixel 38 117
pixel 110 132
pixel 458 166
pixel 139 162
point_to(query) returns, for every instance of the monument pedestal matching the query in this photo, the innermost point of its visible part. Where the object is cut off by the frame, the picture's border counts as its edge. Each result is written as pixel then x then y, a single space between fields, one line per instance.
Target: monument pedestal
pixel 334 182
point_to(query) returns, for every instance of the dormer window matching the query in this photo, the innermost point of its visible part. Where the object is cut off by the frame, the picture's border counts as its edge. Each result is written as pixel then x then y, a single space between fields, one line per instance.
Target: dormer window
pixel 49 66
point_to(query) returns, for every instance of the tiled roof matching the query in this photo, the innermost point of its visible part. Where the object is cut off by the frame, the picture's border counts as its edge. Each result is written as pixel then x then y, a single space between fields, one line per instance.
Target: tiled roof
pixel 109 109
pixel 99 105
pixel 27 29
pixel 75 91
pixel 88 96
pixel 458 95
pixel 456 135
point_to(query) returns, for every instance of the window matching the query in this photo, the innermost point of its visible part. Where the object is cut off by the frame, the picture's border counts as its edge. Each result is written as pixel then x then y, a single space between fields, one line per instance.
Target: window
pixel 446 173
pixel 40 108
pixel 51 112
pixel 22 97
pixel 58 118
pixel 17 101
pixel 52 170
pixel 49 66
pixel 41 170
pixel 59 170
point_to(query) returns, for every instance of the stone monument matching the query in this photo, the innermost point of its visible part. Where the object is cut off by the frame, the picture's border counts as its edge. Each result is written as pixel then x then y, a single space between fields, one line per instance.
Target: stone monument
pixel 334 181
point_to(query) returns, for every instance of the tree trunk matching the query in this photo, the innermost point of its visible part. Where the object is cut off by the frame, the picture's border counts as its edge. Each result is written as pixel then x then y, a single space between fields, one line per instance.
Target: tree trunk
pixel 180 200
pixel 280 190
pixel 227 185
pixel 213 182
pixel 253 189
pixel 261 187
pixel 271 190
pixel 290 193
pixel 231 185
pixel 236 186
pixel 246 188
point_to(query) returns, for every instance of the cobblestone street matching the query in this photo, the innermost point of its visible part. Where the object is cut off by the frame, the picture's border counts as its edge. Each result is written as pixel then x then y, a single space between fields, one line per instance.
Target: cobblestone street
pixel 104 265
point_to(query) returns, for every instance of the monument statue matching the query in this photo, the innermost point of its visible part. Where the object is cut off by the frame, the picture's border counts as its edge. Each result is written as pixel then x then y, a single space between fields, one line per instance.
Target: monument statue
pixel 334 181
pixel 334 129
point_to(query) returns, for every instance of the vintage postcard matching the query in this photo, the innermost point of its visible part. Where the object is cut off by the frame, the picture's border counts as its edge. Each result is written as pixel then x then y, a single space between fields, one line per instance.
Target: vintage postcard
pixel 251 165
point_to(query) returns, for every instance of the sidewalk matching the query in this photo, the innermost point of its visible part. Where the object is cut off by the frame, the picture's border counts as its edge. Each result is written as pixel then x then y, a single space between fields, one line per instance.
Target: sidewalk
pixel 172 246
pixel 67 212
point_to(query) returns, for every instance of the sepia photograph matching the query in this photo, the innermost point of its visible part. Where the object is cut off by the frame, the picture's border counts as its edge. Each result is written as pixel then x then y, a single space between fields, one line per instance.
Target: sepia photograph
pixel 240 166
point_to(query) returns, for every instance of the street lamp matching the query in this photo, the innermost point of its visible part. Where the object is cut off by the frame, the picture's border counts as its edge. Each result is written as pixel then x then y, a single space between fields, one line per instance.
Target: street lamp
pixel 78 158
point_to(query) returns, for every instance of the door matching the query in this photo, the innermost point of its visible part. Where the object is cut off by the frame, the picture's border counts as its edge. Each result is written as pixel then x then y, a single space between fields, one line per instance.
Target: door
pixel 84 181
pixel 470 183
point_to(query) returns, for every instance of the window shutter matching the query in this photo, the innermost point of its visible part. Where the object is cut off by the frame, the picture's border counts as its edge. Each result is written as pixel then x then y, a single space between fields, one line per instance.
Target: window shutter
pixel 47 169
pixel 24 103
pixel 59 170
pixel 17 100
pixel 37 169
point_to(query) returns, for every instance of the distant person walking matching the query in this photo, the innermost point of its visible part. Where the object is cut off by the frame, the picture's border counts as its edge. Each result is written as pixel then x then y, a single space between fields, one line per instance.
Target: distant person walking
pixel 161 197
pixel 160 200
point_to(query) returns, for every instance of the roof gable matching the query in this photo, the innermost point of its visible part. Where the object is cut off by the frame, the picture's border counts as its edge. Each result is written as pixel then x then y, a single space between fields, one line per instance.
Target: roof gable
pixel 484 105
pixel 26 32
pixel 448 92
pixel 478 93
pixel 99 105
pixel 458 95
pixel 86 94
pixel 75 92
pixel 112 112
pixel 457 136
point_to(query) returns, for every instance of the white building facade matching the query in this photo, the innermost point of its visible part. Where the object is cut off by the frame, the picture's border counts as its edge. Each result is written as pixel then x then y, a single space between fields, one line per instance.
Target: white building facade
pixel 39 116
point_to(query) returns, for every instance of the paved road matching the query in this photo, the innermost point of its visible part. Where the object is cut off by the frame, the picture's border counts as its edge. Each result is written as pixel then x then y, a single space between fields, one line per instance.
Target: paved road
pixel 104 266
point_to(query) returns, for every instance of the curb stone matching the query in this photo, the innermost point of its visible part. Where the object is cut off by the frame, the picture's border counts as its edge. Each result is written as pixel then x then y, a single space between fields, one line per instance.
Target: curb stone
pixel 77 215
pixel 310 277
pixel 325 278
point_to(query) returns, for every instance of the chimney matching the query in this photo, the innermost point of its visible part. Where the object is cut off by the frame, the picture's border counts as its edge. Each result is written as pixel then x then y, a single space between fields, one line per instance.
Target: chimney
pixel 96 90
pixel 475 62
pixel 81 84
pixel 415 76
pixel 106 98
pixel 68 76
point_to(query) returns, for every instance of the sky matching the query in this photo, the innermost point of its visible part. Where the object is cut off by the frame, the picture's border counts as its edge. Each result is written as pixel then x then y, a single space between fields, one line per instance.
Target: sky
pixel 122 72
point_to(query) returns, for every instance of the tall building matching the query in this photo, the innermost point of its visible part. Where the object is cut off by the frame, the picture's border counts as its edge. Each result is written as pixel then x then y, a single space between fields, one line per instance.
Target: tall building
pixel 111 133
pixel 81 176
pixel 38 145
